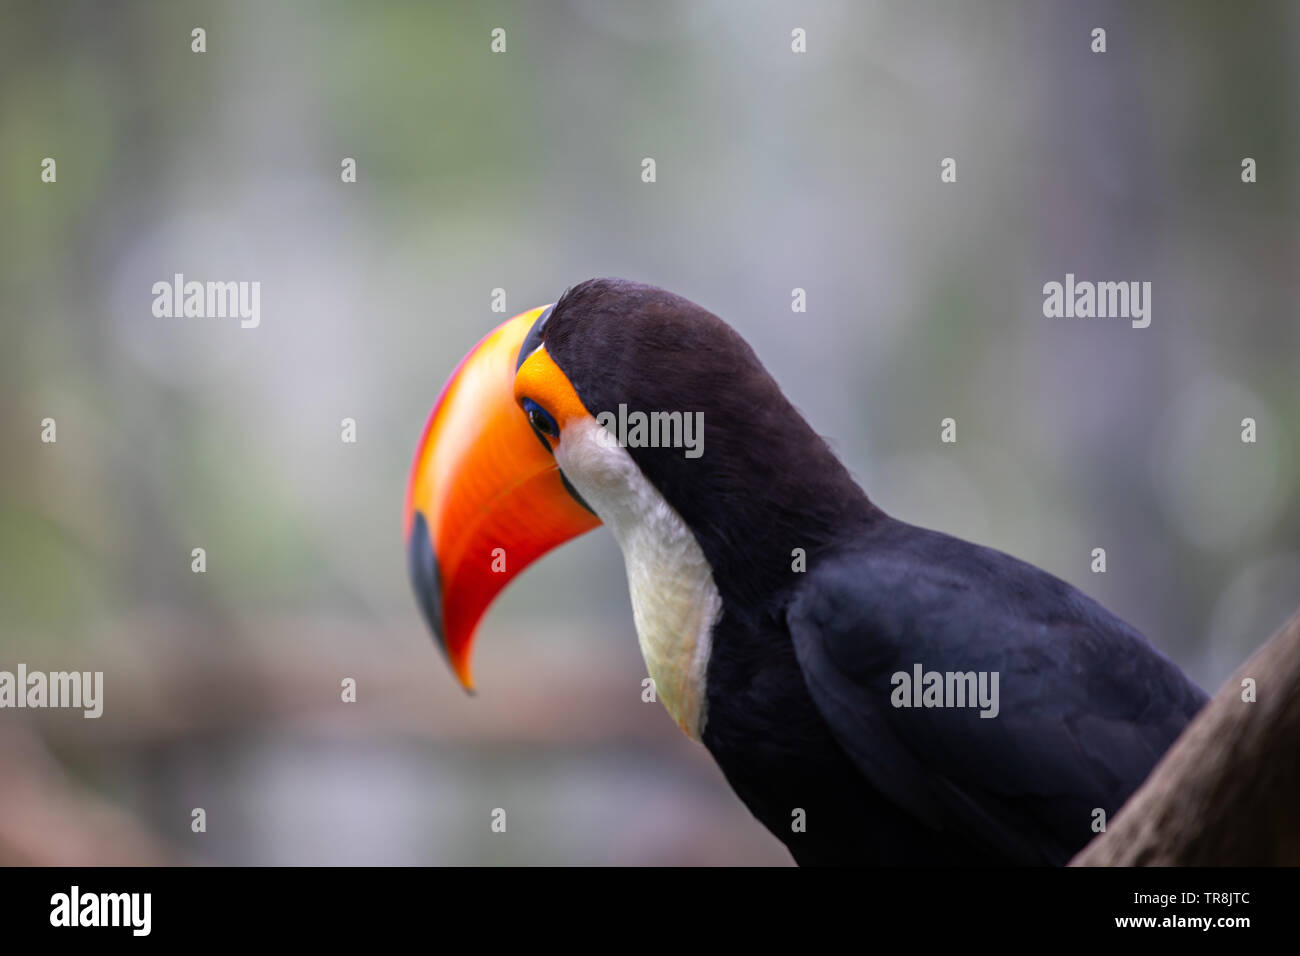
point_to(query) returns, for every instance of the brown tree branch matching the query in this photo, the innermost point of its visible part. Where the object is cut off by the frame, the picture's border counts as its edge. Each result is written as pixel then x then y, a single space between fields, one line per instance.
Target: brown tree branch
pixel 1228 792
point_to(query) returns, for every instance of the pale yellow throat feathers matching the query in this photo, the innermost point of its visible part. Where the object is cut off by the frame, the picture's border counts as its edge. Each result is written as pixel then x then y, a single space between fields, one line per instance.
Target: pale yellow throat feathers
pixel 675 603
pixel 675 606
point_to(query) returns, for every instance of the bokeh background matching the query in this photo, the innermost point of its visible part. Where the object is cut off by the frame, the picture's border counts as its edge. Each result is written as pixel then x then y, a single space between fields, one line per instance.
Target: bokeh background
pixel 522 171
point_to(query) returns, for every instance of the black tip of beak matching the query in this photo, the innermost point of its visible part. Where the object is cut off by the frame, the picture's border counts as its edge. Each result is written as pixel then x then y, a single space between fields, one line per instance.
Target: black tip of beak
pixel 426 580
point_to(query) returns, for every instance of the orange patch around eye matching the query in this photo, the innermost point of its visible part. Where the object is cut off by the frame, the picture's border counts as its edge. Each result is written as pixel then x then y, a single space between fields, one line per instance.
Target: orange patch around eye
pixel 540 379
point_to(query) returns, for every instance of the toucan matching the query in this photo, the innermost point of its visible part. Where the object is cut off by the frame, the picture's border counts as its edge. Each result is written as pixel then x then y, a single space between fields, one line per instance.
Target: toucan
pixel 874 692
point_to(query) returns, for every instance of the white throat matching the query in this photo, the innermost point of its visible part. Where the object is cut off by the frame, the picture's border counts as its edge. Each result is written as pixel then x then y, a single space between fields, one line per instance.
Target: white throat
pixel 675 603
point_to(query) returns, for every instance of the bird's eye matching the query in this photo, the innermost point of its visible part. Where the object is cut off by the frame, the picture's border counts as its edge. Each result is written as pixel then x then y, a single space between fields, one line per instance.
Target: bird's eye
pixel 540 419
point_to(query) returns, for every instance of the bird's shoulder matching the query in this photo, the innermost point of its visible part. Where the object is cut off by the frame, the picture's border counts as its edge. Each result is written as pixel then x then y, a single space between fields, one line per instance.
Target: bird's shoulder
pixel 901 591
pixel 1085 705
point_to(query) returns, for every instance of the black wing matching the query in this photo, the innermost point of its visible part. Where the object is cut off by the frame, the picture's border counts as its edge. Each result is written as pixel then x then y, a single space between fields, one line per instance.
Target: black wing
pixel 1086 705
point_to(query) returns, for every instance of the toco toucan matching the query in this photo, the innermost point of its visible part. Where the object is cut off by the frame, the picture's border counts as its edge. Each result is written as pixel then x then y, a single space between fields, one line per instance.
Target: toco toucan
pixel 873 691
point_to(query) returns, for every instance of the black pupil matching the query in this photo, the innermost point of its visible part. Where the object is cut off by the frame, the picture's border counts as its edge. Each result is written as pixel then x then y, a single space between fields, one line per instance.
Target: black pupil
pixel 541 421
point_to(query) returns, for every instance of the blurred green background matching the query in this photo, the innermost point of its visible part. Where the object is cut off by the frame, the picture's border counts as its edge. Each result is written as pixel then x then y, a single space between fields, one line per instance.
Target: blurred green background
pixel 522 171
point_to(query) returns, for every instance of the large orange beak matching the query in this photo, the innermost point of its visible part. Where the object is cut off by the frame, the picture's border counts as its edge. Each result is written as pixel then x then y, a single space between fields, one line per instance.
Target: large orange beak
pixel 485 498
